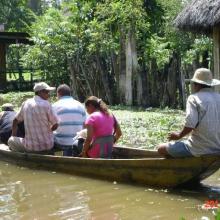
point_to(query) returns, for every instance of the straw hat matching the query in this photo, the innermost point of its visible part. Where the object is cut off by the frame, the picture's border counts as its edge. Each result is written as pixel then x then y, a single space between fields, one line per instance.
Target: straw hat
pixel 204 76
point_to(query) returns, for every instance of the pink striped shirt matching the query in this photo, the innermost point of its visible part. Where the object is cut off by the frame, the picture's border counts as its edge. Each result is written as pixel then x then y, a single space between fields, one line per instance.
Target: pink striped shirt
pixel 38 118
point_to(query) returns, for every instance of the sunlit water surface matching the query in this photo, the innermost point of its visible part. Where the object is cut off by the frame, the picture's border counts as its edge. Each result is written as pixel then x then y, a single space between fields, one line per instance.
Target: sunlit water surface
pixel 32 194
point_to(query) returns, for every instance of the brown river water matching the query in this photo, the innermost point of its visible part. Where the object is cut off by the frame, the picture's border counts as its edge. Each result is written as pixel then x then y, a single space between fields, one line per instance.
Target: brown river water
pixel 32 194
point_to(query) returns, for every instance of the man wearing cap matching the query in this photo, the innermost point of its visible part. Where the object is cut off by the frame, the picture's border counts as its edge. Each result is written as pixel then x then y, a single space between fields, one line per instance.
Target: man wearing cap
pixel 6 118
pixel 39 121
pixel 202 120
pixel 72 115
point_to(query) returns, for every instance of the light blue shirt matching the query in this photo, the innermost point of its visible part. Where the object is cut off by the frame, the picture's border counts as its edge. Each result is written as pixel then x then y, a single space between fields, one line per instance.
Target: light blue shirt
pixel 71 115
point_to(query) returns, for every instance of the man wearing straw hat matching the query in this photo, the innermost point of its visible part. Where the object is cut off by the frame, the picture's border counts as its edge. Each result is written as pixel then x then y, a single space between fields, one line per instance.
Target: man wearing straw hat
pixel 202 121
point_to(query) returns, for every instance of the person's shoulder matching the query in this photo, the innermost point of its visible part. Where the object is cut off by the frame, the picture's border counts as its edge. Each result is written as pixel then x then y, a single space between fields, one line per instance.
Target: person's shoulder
pixel 55 104
pixel 42 103
pixel 28 100
pixel 99 114
pixel 79 105
pixel 77 102
pixel 192 98
pixel 26 103
pixel 94 115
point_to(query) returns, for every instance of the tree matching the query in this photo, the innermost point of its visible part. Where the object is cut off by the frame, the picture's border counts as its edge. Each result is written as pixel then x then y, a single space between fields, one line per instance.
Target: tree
pixel 15 15
pixel 121 50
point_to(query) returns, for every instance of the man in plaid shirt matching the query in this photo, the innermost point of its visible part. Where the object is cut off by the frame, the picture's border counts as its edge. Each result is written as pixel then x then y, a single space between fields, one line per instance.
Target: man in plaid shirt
pixel 39 121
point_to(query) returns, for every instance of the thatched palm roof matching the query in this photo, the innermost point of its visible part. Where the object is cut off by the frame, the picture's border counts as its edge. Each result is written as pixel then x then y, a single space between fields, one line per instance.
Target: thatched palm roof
pixel 199 16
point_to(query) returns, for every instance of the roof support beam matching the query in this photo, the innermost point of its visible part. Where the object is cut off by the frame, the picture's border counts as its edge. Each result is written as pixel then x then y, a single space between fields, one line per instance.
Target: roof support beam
pixel 216 53
pixel 2 67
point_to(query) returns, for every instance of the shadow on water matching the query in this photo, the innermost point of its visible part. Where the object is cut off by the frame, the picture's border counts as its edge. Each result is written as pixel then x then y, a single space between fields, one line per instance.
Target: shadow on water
pixel 203 192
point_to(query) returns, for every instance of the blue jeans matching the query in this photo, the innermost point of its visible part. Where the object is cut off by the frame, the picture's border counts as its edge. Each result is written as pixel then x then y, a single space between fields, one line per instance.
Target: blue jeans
pixel 67 149
pixel 179 149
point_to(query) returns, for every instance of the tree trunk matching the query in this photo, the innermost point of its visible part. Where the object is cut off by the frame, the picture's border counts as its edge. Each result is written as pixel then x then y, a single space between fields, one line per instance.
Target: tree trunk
pixel 154 82
pixel 122 68
pixel 173 82
pixel 145 86
pixel 34 5
pixel 128 81
pixel 136 74
pixel 180 82
pixel 73 83
pixel 115 77
pixel 85 78
pixel 105 81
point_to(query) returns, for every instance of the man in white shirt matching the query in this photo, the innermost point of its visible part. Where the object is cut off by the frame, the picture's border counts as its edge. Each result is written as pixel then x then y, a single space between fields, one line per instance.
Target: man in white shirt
pixel 71 115
pixel 202 120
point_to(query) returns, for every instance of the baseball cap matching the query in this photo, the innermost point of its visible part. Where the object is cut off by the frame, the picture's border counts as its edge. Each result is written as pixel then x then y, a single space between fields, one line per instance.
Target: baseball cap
pixel 43 86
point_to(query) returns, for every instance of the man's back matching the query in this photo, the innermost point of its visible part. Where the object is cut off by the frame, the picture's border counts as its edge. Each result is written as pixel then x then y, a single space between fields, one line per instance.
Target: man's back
pixel 38 118
pixel 6 121
pixel 71 115
pixel 205 138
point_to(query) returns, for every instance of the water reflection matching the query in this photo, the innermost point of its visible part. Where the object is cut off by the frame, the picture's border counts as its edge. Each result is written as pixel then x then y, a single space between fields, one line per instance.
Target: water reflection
pixel 31 194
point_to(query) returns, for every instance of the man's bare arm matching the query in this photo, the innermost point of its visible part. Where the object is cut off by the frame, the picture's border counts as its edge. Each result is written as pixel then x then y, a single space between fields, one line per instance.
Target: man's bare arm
pixel 14 127
pixel 178 135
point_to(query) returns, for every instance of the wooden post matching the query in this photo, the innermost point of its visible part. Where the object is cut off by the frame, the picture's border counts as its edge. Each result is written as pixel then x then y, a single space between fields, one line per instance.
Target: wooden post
pixel 216 53
pixel 2 67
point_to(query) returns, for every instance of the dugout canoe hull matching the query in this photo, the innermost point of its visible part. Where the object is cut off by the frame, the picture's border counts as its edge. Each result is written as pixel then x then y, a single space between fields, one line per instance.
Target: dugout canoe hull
pixel 144 167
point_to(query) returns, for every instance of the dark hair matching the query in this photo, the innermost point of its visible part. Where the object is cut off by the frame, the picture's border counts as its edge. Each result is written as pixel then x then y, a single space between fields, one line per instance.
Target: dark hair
pixel 64 90
pixel 7 109
pixel 97 104
pixel 202 85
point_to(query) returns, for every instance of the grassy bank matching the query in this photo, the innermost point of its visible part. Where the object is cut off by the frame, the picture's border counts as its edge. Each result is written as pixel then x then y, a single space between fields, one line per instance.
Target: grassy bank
pixel 143 128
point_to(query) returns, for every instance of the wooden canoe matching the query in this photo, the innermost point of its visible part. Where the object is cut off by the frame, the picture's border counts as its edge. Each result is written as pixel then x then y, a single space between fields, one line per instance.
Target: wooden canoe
pixel 130 166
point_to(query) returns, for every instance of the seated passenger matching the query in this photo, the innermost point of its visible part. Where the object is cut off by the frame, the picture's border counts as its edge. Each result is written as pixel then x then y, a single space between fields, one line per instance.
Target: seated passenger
pixel 102 130
pixel 71 114
pixel 39 121
pixel 202 120
pixel 6 118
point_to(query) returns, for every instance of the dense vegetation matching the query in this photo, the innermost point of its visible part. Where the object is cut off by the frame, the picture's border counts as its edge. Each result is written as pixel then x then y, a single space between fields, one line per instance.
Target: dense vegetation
pixel 124 51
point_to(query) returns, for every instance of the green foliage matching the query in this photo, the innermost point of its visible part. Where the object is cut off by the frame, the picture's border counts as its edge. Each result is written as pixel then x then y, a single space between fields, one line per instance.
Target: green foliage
pixel 81 32
pixel 199 46
pixel 217 217
pixel 50 33
pixel 146 129
pixel 16 98
pixel 15 15
pixel 159 49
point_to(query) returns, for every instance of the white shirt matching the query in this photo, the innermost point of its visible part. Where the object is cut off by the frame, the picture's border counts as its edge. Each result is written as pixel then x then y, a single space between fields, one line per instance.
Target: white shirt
pixel 203 114
pixel 71 115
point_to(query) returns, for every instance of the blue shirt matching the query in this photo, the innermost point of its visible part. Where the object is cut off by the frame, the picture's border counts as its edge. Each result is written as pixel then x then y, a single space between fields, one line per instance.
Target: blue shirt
pixel 71 115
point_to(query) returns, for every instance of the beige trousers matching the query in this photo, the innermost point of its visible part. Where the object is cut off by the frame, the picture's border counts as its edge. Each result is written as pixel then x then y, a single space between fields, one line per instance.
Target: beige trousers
pixel 15 144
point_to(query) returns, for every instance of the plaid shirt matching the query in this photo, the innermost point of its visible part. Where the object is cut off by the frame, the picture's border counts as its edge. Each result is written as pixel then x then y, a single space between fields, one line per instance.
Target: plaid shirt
pixel 38 118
